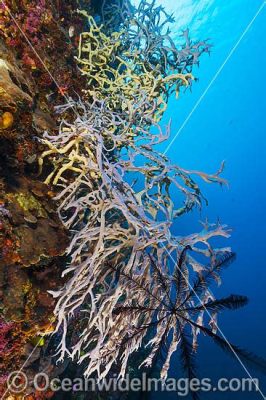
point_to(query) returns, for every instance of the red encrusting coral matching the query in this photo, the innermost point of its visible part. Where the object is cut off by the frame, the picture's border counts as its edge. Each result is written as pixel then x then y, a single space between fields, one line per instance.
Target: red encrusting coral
pixel 38 33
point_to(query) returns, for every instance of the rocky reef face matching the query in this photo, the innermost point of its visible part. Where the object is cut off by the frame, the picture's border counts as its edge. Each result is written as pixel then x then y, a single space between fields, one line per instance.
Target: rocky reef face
pixel 86 251
pixel 38 40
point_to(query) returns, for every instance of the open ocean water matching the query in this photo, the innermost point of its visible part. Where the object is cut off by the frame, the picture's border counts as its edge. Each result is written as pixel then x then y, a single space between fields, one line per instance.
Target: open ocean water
pixel 228 124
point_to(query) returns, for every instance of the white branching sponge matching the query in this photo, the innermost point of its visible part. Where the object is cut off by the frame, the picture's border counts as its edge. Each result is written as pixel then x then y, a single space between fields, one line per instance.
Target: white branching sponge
pixel 127 270
pixel 130 282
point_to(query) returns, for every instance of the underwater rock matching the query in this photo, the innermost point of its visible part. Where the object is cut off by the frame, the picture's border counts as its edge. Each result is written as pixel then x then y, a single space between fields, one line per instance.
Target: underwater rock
pixel 15 87
pixel 33 232
pixel 11 343
pixel 43 121
pixel 32 239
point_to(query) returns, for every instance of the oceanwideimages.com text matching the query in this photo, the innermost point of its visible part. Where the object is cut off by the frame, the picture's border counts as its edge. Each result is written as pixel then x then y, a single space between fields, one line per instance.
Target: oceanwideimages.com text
pixel 18 383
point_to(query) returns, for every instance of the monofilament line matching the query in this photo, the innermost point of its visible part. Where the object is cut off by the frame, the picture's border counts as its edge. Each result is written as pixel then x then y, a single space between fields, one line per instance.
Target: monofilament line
pixel 218 329
pixel 214 78
pixel 34 50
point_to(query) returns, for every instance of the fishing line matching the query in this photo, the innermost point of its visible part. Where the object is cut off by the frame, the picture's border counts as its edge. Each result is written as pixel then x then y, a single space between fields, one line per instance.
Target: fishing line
pixel 214 78
pixel 220 331
pixel 34 50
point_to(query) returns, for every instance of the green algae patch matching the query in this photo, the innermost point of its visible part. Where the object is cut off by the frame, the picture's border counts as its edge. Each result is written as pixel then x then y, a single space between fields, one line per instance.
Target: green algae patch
pixel 28 203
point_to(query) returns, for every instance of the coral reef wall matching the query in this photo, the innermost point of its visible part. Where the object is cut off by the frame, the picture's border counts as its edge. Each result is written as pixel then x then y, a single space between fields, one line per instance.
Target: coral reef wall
pixel 38 39
pixel 87 203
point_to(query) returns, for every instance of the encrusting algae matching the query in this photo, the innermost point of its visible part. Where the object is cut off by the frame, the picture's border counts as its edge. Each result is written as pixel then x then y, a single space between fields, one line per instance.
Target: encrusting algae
pixel 6 120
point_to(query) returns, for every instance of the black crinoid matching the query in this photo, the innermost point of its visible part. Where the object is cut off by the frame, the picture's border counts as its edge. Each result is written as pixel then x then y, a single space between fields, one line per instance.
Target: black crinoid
pixel 171 312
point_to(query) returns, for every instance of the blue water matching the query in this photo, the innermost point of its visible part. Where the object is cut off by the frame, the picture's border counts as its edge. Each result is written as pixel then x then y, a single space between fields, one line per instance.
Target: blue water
pixel 228 125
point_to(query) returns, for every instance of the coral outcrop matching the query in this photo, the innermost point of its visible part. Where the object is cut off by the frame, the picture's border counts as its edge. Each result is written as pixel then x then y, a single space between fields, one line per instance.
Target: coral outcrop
pixel 32 238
